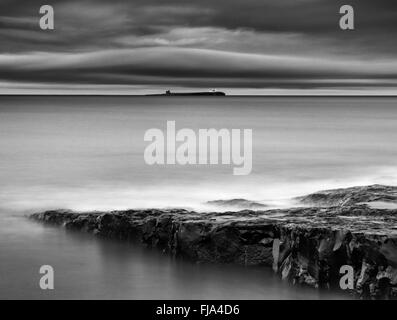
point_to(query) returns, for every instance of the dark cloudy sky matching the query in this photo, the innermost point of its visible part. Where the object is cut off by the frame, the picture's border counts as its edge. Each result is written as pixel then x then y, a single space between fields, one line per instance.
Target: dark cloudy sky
pixel 242 46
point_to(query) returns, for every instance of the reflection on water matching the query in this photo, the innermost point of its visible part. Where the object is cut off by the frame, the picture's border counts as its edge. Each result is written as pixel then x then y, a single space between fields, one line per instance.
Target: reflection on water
pixel 87 267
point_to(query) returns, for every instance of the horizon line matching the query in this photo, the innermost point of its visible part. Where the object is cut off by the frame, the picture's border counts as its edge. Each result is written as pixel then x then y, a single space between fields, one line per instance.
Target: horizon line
pixel 220 97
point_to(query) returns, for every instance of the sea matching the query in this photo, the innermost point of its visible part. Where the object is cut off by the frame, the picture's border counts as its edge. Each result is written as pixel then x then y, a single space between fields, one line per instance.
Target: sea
pixel 87 153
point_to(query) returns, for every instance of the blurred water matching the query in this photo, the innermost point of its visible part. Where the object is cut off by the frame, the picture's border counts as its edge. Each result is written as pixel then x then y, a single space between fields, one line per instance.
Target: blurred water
pixel 86 153
pixel 87 267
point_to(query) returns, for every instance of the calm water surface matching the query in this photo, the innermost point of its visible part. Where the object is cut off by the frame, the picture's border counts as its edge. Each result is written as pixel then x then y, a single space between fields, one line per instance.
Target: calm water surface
pixel 86 153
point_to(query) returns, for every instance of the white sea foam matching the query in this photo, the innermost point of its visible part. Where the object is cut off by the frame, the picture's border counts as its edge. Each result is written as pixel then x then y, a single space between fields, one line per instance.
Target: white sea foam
pixel 119 197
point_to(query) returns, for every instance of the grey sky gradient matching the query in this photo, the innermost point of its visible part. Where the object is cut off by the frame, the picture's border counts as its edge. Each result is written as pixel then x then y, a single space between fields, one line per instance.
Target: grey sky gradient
pixel 243 46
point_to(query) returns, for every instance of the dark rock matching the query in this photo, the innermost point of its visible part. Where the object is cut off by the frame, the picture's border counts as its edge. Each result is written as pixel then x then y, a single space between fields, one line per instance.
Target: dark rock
pixel 305 245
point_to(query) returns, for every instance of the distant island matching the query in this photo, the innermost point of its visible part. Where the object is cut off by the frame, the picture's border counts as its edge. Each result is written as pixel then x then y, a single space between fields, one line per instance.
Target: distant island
pixel 203 93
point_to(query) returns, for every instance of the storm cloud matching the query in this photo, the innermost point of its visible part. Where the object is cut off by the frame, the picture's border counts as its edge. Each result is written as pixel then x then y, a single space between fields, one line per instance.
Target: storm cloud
pixel 250 44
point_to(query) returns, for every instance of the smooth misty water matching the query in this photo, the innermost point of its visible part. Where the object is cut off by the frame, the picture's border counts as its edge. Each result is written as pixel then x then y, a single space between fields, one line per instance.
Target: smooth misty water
pixel 86 153
pixel 90 268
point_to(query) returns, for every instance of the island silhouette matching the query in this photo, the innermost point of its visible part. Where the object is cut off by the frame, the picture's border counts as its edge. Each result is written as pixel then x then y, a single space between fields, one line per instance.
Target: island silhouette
pixel 198 93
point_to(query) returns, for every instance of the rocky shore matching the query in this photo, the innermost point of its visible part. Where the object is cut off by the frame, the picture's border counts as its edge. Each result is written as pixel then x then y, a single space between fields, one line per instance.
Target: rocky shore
pixel 305 245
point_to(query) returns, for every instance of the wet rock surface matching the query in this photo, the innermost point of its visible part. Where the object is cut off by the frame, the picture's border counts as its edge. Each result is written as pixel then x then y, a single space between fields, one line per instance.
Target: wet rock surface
pixel 304 245
pixel 351 196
